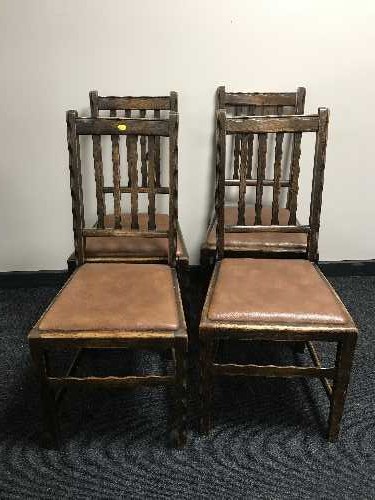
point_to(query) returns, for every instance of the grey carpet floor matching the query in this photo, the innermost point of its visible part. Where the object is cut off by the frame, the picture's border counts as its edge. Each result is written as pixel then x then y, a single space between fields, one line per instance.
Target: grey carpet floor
pixel 268 440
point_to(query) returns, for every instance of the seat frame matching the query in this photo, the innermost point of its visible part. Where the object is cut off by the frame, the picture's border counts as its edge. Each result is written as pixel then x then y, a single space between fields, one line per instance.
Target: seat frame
pixel 42 342
pixel 253 103
pixel 212 332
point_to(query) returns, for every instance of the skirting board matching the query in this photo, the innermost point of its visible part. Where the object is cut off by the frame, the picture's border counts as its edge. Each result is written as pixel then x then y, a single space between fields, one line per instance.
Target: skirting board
pixel 348 268
pixel 29 279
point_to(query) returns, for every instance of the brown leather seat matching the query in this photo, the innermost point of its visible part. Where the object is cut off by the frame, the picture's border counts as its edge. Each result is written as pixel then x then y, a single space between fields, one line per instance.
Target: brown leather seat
pixel 125 297
pixel 275 291
pixel 132 247
pixel 272 241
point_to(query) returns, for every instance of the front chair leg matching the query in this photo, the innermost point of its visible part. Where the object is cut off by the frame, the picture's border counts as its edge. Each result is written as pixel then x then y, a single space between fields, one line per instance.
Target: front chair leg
pixel 179 430
pixel 344 359
pixel 206 386
pixel 51 434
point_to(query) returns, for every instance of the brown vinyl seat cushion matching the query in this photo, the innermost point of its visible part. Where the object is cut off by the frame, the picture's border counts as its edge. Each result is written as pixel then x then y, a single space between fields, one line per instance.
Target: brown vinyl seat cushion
pixel 115 297
pixel 132 247
pixel 258 241
pixel 274 291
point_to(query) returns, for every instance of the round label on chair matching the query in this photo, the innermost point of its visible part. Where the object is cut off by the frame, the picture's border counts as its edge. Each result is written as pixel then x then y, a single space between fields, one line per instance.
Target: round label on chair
pixel 121 127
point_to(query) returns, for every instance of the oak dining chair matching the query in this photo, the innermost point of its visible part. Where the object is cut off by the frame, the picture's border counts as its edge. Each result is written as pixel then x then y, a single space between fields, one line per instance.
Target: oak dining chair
pixel 242 150
pixel 111 304
pixel 274 300
pixel 136 249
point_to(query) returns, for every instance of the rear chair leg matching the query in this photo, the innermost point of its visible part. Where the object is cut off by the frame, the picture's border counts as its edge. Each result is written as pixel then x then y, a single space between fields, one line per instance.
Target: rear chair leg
pixel 299 347
pixel 179 433
pixel 344 359
pixel 71 264
pixel 206 258
pixel 51 433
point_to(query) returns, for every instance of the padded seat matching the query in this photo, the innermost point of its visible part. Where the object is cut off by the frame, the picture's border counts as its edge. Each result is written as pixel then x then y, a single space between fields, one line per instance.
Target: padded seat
pixel 258 241
pixel 112 246
pixel 275 292
pixel 121 297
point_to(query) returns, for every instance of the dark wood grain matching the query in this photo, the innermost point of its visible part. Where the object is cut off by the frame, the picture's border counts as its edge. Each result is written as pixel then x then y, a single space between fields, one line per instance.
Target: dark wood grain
pixel 344 361
pixel 318 182
pixel 131 145
pixel 42 341
pixel 277 177
pixel 236 151
pixel 300 101
pixel 173 183
pixel 272 124
pixel 317 362
pixel 114 102
pixel 212 331
pixel 242 187
pixel 134 126
pixel 94 103
pixel 260 99
pixel 173 102
pixel 120 233
pixel 266 229
pixel 250 147
pixel 143 142
pixel 99 180
pixel 250 104
pixel 266 123
pixel 75 184
pixel 272 371
pixel 157 153
pixel 151 182
pixel 141 108
pixel 220 98
pixel 111 381
pixel 294 177
pixel 261 170
pixel 139 189
pixel 253 182
pixel 116 176
pixel 220 179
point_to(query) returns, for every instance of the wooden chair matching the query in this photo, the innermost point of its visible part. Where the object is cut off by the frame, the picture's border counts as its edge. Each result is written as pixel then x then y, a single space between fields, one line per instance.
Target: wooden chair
pixel 256 244
pixel 116 305
pixel 283 300
pixel 135 249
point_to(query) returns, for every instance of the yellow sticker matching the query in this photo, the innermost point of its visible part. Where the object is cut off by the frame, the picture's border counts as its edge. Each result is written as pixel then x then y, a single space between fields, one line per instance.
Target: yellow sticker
pixel 121 127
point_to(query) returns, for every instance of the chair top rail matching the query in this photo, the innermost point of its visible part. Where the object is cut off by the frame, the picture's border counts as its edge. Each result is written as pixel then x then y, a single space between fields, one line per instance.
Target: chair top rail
pixel 260 98
pixel 272 124
pixel 135 102
pixel 123 126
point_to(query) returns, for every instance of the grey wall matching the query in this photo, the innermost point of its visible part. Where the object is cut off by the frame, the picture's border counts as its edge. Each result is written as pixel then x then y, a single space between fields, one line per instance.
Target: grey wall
pixel 52 52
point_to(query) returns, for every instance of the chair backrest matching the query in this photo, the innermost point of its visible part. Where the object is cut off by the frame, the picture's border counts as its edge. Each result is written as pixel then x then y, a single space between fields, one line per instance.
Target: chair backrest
pixel 257 104
pixel 133 107
pixel 261 126
pixel 150 130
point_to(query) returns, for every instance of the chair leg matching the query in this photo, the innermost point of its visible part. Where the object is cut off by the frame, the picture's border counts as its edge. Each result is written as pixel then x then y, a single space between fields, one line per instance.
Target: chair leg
pixel 299 347
pixel 206 258
pixel 344 359
pixel 51 434
pixel 206 385
pixel 71 263
pixel 179 430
